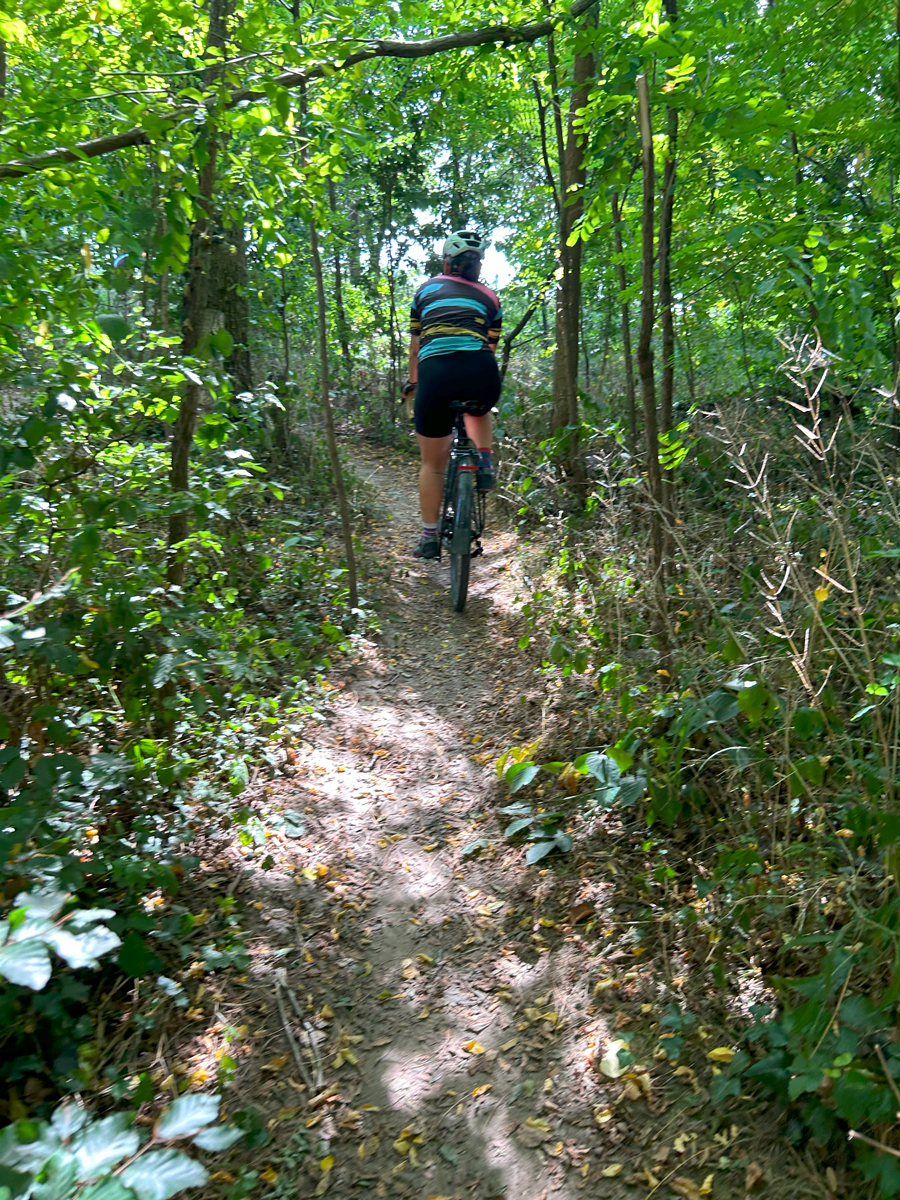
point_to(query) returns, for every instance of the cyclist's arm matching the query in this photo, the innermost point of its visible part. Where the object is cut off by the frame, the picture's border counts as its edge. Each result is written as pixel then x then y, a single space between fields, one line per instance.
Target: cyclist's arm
pixel 414 358
pixel 495 329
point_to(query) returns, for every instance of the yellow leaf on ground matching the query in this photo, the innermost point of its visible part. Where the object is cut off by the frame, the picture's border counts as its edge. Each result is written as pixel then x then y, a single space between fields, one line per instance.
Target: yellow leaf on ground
pixel 323 1185
pixel 538 1123
pixel 509 1045
pixel 325 1164
pixel 612 1170
pixel 326 1012
pixel 706 1186
pixel 269 1175
pixel 682 1186
pixel 479 1091
pixel 275 1064
pixel 609 1063
pixel 474 1047
pixel 721 1054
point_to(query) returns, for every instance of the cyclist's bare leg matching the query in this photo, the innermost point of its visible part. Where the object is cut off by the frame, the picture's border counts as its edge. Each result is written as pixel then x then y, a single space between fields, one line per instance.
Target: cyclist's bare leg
pixel 435 452
pixel 480 430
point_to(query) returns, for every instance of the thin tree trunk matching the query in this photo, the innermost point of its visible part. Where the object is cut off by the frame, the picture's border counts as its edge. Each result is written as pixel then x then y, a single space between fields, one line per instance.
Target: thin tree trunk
pixel 195 306
pixel 626 328
pixel 666 321
pixel 645 356
pixel 523 321
pixel 285 329
pixel 3 70
pixel 330 436
pixel 664 258
pixel 545 156
pixel 573 174
pixel 343 325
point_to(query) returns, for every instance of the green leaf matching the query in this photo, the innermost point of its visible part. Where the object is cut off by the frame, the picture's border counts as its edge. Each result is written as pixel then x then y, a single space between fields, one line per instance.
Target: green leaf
pixel 448 1154
pixel 223 342
pixel 239 779
pixel 164 670
pixel 517 826
pixel 163 1173
pixel 474 847
pixel 83 949
pixel 134 956
pixel 104 1144
pixel 57 1179
pixel 107 1189
pixel 218 1137
pixel 115 328
pixel 187 1116
pixel 538 851
pixel 294 823
pixel 520 775
pixel 26 963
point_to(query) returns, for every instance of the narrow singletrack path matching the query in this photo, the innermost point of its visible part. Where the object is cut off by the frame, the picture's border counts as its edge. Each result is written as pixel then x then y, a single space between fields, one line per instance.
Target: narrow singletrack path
pixel 451 994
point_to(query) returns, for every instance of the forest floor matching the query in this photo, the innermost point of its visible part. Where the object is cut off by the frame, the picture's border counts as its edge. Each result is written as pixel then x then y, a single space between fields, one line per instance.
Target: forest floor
pixel 462 1006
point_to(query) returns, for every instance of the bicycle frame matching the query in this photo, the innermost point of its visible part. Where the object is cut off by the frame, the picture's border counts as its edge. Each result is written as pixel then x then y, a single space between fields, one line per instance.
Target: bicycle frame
pixel 464 456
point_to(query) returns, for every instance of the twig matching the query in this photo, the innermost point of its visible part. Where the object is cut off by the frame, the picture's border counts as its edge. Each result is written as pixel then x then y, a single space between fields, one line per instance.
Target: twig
pixel 291 1040
pixel 855 1136
pixel 892 1083
pixel 310 1038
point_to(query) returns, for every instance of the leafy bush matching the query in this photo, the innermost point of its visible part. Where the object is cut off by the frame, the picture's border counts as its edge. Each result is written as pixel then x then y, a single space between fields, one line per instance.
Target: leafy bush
pixel 76 1156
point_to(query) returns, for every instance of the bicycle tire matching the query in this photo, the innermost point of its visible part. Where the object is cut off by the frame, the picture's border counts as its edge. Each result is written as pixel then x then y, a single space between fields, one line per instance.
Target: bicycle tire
pixel 460 547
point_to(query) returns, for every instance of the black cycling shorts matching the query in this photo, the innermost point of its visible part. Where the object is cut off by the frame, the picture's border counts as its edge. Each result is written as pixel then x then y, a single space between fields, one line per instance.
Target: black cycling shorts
pixel 468 375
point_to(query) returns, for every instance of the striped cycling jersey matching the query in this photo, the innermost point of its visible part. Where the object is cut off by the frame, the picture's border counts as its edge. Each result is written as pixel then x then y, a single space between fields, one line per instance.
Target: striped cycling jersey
pixel 450 313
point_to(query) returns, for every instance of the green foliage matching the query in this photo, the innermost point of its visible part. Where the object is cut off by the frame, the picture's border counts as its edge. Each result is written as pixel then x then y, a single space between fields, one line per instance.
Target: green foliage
pixel 75 1155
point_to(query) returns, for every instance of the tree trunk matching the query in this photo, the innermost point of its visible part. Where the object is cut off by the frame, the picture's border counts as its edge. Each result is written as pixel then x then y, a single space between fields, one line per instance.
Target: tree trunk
pixel 626 328
pixel 645 357
pixel 228 295
pixel 195 307
pixel 3 69
pixel 343 325
pixel 667 324
pixel 666 213
pixel 333 454
pixel 568 296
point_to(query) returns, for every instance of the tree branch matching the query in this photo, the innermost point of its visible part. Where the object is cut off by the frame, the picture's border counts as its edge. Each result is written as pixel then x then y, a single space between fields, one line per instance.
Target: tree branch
pixel 490 34
pixel 542 117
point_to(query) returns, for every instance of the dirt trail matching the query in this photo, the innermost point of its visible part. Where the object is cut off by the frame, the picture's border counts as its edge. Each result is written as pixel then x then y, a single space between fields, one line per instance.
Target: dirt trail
pixel 452 999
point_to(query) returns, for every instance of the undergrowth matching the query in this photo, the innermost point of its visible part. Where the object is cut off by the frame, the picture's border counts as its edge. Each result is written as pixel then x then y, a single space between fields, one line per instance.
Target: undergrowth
pixel 134 714
pixel 750 754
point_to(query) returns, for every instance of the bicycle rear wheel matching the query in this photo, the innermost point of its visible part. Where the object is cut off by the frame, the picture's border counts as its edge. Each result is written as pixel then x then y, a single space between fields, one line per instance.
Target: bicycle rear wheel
pixel 461 543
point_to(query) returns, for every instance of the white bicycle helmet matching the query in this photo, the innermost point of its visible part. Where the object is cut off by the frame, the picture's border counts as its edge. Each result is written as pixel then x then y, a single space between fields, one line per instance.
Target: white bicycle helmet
pixel 462 240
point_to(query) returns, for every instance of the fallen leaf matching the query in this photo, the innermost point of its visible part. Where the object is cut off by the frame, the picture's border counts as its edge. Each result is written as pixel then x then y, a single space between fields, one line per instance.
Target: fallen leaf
pixel 269 1175
pixel 509 1045
pixel 631 1091
pixel 612 1170
pixel 479 1091
pixel 537 1123
pixel 685 1187
pixel 275 1064
pixel 604 1114
pixel 753 1176
pixel 721 1054
pixel 609 1063
pixel 580 912
pixel 474 1047
pixel 323 1185
pixel 325 1164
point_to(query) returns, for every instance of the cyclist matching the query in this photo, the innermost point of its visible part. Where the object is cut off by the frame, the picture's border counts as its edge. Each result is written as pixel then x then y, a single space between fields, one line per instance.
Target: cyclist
pixel 454 329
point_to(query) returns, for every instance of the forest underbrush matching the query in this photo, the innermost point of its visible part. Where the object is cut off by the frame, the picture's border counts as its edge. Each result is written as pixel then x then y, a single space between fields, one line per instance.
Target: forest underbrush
pixel 737 771
pixel 134 714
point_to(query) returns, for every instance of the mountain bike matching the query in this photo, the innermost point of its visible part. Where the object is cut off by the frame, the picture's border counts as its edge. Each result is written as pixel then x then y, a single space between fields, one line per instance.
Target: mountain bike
pixel 463 514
